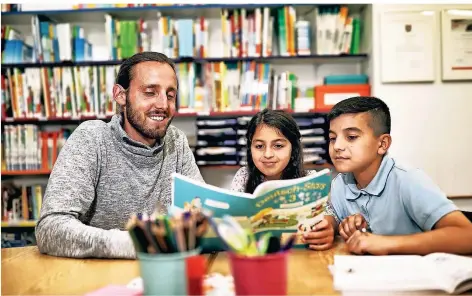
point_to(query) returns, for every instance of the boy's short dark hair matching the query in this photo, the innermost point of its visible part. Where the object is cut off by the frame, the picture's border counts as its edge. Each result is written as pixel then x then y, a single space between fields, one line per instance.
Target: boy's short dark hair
pixel 379 111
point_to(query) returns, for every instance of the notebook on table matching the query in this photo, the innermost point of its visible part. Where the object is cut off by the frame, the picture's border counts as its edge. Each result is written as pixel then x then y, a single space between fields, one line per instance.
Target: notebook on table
pixel 433 274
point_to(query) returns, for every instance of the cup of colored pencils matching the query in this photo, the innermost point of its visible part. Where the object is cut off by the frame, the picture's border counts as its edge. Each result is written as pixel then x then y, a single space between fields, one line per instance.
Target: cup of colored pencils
pixel 168 250
pixel 258 266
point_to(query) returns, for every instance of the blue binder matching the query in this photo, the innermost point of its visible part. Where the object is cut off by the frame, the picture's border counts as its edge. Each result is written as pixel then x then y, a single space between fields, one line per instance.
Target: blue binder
pixel 346 79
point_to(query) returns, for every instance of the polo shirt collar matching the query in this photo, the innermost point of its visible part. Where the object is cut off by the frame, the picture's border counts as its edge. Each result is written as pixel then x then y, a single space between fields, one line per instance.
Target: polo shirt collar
pixel 376 186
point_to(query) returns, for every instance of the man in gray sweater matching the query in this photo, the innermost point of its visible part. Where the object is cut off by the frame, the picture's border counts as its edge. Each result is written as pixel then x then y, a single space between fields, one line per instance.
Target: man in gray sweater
pixel 108 171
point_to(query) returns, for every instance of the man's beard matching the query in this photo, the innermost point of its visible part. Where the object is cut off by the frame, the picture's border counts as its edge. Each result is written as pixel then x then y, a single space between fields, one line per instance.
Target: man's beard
pixel 139 125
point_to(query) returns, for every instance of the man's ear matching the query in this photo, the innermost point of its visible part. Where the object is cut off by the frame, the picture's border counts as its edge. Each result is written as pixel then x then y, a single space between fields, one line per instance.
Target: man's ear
pixel 385 141
pixel 119 95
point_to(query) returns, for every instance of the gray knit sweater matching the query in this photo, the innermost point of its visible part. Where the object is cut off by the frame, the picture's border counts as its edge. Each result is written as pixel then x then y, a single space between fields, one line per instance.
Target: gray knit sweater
pixel 100 178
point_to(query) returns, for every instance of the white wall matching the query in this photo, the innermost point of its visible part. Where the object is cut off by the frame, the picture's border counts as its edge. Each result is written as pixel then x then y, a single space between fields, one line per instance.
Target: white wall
pixel 431 122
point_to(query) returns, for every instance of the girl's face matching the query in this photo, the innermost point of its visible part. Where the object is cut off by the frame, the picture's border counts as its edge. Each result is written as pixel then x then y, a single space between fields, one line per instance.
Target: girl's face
pixel 271 151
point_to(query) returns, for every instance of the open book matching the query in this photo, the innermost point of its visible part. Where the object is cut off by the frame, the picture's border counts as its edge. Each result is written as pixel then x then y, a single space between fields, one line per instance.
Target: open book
pixel 433 274
pixel 281 207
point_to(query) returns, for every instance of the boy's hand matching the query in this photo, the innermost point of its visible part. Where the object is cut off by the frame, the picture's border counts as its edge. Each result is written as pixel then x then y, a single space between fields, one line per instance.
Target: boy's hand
pixel 368 243
pixel 350 224
pixel 321 237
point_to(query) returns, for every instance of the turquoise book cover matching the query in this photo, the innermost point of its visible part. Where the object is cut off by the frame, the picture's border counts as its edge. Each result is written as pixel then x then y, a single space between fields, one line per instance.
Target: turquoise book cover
pixel 282 207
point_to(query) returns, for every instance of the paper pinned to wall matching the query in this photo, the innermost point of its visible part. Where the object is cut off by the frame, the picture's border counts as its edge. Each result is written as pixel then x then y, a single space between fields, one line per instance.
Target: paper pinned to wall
pixel 407 47
pixel 456 27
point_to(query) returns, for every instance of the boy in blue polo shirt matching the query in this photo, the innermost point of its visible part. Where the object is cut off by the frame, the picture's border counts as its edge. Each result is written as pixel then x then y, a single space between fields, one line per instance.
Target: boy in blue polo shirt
pixel 378 206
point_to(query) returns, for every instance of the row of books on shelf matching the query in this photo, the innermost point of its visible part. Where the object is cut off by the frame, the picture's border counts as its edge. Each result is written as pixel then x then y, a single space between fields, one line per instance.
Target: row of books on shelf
pixel 58 92
pixel 14 48
pixel 123 5
pixel 11 7
pixel 258 32
pixel 74 92
pixel 27 148
pixel 336 31
pixel 52 43
pixel 226 87
pixel 128 37
pixel 21 203
pixel 66 92
pixel 64 42
pixel 34 7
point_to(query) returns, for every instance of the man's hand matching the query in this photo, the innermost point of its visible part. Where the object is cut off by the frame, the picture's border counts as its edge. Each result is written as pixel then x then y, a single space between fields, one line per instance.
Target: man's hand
pixel 321 237
pixel 367 243
pixel 350 224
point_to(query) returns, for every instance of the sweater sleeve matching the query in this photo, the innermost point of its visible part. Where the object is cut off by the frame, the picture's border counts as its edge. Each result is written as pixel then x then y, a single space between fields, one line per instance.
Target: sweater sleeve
pixel 240 179
pixel 189 165
pixel 69 196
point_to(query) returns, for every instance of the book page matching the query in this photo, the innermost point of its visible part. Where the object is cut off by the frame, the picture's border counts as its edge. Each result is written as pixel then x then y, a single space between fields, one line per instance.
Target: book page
pixel 268 186
pixel 287 206
pixel 384 273
pixel 454 270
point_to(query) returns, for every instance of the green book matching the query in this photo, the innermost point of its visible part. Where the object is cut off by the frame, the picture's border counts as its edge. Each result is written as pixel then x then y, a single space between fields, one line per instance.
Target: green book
pixel 133 38
pixel 293 89
pixel 356 36
pixel 281 20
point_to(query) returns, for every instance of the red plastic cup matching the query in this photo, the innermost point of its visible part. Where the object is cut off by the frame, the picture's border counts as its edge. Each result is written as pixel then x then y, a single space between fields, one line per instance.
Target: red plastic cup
pixel 195 273
pixel 260 275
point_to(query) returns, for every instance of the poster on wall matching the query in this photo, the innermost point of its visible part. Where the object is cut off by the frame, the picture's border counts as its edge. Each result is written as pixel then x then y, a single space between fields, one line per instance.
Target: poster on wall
pixel 407 46
pixel 456 28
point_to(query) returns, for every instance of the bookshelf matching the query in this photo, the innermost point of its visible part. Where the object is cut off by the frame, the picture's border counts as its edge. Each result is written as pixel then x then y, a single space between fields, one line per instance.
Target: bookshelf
pixel 303 71
pixel 251 37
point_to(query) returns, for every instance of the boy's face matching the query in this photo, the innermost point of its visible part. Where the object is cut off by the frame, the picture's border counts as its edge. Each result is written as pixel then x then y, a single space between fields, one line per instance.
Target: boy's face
pixel 353 145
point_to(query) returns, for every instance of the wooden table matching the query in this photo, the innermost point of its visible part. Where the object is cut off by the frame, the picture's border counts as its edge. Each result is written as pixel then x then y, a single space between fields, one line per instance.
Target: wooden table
pixel 26 271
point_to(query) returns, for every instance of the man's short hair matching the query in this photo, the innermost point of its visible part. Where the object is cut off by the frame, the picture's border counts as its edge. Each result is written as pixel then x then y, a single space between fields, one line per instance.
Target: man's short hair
pixel 378 110
pixel 125 74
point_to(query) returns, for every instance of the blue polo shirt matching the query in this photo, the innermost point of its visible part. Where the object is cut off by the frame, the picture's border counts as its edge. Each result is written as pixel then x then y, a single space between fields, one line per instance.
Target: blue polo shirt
pixel 397 201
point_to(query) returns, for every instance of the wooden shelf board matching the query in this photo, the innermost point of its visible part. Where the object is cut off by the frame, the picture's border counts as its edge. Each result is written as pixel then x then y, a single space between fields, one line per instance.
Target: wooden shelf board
pixel 341 58
pixel 460 197
pixel 70 120
pixel 19 223
pixel 25 172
